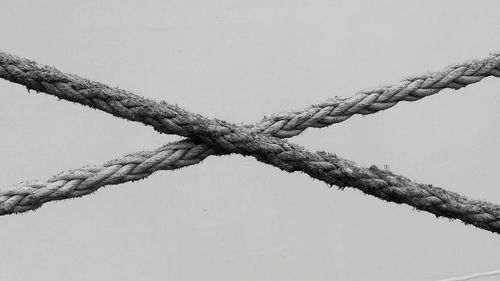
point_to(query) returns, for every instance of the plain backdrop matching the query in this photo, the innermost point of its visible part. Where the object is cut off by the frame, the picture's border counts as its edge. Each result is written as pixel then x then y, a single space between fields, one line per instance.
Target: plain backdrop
pixel 231 217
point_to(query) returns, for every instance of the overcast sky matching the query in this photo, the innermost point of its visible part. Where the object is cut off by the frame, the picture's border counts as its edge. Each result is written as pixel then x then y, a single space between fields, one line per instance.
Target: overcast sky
pixel 231 217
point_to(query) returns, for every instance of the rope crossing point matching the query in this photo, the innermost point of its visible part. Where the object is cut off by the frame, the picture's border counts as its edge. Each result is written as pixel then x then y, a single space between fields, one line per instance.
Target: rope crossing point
pixel 264 141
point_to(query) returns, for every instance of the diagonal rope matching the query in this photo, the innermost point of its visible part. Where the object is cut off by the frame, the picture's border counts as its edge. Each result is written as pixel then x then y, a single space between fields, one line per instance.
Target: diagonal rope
pixel 382 184
pixel 285 124
pixel 232 139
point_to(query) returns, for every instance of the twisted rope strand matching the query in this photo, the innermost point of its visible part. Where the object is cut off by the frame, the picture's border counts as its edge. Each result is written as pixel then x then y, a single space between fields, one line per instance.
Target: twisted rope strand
pixel 413 88
pixel 231 139
pixel 30 195
pixel 379 183
pixel 286 124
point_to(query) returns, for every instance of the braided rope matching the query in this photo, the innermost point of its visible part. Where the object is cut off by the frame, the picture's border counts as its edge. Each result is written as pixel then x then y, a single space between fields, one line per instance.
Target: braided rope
pixel 413 88
pixel 30 195
pixel 379 183
pixel 229 138
pixel 286 124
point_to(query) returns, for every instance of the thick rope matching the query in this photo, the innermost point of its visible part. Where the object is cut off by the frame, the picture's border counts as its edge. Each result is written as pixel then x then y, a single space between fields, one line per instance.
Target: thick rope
pixel 380 183
pixel 230 138
pixel 287 124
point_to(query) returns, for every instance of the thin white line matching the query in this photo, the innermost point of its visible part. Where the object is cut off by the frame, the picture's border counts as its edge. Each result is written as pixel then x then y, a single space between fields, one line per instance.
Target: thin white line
pixel 473 276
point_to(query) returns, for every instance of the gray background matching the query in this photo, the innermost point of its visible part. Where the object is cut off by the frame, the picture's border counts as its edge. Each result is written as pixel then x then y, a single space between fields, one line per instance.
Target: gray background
pixel 231 217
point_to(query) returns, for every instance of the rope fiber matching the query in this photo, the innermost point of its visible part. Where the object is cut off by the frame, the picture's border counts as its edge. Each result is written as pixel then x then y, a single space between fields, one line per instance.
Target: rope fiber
pixel 262 141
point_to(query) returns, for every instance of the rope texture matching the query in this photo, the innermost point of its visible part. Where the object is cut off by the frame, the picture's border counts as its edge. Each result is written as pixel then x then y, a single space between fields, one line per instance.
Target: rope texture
pixel 223 137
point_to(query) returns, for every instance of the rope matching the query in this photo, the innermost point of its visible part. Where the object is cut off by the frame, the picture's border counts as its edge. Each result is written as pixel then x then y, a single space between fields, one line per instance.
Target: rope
pixel 286 124
pixel 228 138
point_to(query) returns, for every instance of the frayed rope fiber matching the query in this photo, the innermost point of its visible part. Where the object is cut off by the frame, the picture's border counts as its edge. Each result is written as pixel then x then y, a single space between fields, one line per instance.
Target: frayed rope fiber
pixel 262 141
